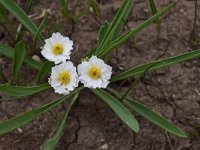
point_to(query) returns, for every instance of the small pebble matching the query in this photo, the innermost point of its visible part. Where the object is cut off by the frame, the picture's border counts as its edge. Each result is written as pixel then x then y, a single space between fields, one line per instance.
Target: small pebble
pixel 104 147
pixel 102 140
pixel 36 58
pixel 146 10
pixel 20 130
pixel 91 10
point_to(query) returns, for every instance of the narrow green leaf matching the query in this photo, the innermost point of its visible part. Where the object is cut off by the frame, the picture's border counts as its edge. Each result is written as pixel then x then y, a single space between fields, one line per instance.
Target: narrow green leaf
pixel 108 48
pixel 154 10
pixel 57 26
pixel 136 81
pixel 51 143
pixel 123 22
pixel 102 32
pixel 47 65
pixel 119 109
pixel 155 118
pixel 64 9
pixel 41 26
pixel 4 16
pixel 19 54
pixel 152 116
pixel 157 21
pixel 22 119
pixel 9 52
pixel 5 22
pixel 116 23
pixel 28 7
pixel 21 16
pixel 158 64
pixel 20 91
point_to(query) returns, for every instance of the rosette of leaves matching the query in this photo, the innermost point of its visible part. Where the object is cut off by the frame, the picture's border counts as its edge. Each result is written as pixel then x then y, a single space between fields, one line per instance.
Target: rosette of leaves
pixel 110 36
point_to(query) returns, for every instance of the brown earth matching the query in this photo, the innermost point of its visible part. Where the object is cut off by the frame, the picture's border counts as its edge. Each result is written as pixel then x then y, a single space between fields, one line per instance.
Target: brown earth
pixel 173 91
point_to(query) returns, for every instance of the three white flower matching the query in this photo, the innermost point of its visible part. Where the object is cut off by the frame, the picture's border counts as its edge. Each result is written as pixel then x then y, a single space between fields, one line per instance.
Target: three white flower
pixel 93 73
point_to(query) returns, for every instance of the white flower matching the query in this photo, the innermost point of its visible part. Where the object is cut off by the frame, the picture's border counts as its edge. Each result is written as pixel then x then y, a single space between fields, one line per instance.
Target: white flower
pixel 57 48
pixel 64 78
pixel 94 73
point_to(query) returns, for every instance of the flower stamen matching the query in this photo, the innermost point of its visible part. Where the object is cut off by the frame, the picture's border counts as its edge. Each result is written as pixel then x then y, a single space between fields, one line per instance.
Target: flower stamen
pixel 64 78
pixel 94 72
pixel 57 49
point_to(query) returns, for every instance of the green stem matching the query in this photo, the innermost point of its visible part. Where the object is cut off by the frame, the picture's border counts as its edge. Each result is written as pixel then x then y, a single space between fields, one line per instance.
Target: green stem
pixel 194 40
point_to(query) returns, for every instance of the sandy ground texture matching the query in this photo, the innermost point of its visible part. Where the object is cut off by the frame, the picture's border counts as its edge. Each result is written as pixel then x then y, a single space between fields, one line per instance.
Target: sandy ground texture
pixel 174 92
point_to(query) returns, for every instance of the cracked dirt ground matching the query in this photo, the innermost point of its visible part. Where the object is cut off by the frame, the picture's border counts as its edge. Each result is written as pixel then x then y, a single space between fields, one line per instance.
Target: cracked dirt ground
pixel 174 92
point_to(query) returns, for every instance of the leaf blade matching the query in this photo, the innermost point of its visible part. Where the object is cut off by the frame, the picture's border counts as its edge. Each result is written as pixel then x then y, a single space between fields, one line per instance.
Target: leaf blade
pixel 51 143
pixel 116 23
pixel 21 16
pixel 41 26
pixel 9 52
pixel 22 119
pixel 154 10
pixel 44 71
pixel 158 64
pixel 20 91
pixel 130 33
pixel 155 118
pixel 119 109
pixel 19 54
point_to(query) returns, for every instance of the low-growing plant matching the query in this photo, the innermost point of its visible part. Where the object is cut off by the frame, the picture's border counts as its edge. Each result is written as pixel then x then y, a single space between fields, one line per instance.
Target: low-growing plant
pixel 93 73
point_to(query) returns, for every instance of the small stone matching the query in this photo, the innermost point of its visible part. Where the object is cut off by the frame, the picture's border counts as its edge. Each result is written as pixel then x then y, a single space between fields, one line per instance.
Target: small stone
pixel 20 130
pixel 182 11
pixel 146 10
pixel 104 147
pixel 36 58
pixel 102 140
pixel 91 10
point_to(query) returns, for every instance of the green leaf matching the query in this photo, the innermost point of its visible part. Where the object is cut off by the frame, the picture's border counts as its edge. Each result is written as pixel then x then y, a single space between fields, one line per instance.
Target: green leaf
pixel 44 71
pixel 20 120
pixel 123 22
pixel 108 48
pixel 4 16
pixel 42 24
pixel 21 16
pixel 9 52
pixel 19 54
pixel 20 91
pixel 118 108
pixel 64 9
pixel 158 64
pixel 28 7
pixel 152 116
pixel 51 143
pixel 136 81
pixel 116 23
pixel 5 22
pixel 102 32
pixel 155 118
pixel 154 10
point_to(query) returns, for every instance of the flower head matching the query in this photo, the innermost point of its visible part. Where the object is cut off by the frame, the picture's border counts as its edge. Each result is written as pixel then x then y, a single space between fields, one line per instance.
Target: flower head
pixel 57 48
pixel 94 73
pixel 64 78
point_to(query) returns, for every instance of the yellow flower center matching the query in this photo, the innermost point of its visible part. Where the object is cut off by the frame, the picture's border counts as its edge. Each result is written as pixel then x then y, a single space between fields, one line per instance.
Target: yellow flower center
pixel 94 72
pixel 57 49
pixel 64 78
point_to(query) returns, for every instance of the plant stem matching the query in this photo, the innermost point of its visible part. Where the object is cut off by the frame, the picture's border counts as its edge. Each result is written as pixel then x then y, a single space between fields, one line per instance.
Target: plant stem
pixel 194 39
